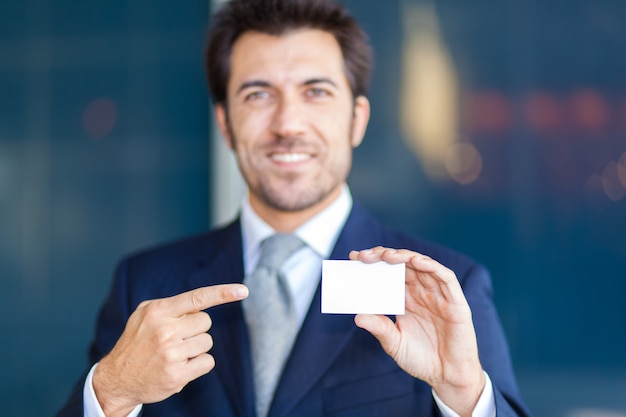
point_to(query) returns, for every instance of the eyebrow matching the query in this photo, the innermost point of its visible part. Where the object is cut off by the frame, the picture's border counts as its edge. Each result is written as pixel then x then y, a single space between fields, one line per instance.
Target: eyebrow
pixel 254 83
pixel 261 83
pixel 321 80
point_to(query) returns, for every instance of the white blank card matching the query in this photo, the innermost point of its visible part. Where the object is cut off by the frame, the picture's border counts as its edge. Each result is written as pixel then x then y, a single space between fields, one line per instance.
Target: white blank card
pixel 353 287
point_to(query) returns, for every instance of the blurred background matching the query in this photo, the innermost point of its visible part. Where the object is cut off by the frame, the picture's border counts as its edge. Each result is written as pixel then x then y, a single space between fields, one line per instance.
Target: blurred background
pixel 498 128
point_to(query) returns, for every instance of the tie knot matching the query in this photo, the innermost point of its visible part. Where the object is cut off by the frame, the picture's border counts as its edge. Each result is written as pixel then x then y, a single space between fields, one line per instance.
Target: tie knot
pixel 277 248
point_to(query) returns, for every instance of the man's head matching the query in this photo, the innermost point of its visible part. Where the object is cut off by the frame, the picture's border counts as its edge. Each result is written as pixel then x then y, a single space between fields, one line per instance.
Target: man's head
pixel 287 102
pixel 277 17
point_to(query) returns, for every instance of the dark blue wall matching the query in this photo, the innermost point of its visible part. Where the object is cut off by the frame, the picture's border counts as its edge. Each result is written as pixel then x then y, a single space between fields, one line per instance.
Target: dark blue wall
pixel 542 98
pixel 103 149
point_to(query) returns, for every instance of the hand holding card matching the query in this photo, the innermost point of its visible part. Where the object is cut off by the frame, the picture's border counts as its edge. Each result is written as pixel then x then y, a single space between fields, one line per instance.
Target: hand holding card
pixel 435 339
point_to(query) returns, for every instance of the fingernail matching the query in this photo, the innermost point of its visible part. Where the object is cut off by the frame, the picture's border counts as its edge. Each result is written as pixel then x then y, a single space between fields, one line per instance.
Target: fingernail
pixel 240 292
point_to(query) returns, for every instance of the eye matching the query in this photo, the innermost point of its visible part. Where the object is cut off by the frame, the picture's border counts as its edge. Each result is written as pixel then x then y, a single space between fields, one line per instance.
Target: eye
pixel 317 92
pixel 257 95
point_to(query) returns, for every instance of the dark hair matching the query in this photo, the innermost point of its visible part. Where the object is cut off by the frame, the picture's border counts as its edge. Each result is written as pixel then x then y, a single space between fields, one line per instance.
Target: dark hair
pixel 277 17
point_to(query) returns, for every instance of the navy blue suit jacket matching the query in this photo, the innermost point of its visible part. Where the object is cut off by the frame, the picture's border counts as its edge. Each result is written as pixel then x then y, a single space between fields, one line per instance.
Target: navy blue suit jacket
pixel 335 368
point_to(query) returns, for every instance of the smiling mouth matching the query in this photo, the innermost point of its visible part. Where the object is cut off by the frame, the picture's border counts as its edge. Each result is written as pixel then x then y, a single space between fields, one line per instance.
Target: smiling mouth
pixel 290 157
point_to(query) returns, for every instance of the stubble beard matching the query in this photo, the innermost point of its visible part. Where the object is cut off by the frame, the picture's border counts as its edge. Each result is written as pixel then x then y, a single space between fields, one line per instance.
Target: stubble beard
pixel 296 194
pixel 293 192
pixel 302 196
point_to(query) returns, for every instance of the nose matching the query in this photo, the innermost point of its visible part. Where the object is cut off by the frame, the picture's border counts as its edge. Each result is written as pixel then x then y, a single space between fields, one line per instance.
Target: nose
pixel 289 117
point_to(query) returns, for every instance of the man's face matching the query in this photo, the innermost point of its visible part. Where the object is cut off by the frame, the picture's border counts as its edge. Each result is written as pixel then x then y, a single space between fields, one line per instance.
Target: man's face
pixel 291 119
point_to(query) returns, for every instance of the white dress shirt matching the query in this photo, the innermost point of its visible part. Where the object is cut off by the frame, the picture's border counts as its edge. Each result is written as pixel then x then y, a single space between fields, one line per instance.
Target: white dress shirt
pixel 302 271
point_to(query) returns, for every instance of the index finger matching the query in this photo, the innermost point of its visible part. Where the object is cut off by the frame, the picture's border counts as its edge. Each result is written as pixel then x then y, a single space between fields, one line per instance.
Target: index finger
pixel 432 274
pixel 203 298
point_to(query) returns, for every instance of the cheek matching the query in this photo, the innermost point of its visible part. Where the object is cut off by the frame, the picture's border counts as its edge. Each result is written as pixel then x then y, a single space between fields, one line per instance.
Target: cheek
pixel 340 149
pixel 241 132
pixel 339 134
pixel 250 123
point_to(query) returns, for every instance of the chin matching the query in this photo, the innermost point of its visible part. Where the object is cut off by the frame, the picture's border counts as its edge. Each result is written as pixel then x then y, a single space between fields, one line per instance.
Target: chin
pixel 290 201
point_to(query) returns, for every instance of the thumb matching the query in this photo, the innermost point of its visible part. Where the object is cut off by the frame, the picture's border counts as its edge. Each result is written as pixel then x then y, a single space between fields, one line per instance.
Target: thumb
pixel 382 328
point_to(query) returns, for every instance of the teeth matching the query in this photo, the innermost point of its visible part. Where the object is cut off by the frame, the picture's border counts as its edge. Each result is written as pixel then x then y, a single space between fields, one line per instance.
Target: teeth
pixel 290 157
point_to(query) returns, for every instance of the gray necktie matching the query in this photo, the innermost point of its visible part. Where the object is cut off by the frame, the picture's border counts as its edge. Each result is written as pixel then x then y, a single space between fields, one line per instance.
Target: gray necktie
pixel 272 323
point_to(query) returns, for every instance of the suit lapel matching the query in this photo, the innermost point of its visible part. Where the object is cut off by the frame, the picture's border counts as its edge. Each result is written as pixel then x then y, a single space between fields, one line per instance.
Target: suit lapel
pixel 322 336
pixel 223 264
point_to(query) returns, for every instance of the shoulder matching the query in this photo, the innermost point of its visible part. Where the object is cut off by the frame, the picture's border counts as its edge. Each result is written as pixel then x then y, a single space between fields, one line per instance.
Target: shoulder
pixel 459 262
pixel 188 249
pixel 160 268
pixel 379 234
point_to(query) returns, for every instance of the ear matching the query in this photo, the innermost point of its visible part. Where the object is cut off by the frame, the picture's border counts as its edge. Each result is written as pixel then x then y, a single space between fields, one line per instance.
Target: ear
pixel 360 120
pixel 222 124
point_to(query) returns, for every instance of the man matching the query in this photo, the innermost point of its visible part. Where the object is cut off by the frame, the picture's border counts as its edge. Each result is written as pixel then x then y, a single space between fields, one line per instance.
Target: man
pixel 289 78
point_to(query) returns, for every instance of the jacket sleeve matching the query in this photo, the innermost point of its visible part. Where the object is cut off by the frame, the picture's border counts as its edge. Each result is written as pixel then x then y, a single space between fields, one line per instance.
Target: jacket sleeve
pixel 110 325
pixel 492 346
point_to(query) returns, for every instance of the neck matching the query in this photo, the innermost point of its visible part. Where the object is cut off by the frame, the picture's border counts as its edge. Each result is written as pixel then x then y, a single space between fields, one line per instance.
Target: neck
pixel 288 221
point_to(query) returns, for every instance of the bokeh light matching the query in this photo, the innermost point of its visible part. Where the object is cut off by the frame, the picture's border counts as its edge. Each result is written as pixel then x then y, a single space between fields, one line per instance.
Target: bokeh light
pixel 99 118
pixel 543 111
pixel 594 193
pixel 589 110
pixel 463 163
pixel 487 112
pixel 621 170
pixel 611 183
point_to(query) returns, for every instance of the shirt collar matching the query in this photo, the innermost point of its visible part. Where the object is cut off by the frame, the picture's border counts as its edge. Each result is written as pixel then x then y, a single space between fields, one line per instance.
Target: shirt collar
pixel 320 232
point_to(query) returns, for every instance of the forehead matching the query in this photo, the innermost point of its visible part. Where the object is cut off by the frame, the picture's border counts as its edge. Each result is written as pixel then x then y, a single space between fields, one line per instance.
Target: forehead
pixel 289 58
